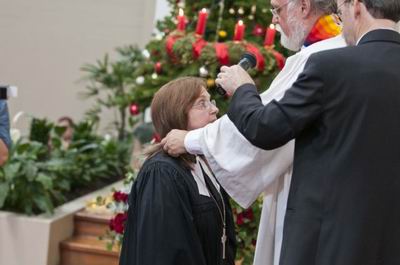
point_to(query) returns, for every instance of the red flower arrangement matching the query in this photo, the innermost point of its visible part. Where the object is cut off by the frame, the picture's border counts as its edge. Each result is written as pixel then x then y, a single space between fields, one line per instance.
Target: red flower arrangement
pixel 120 196
pixel 245 217
pixel 246 226
pixel 118 206
pixel 117 223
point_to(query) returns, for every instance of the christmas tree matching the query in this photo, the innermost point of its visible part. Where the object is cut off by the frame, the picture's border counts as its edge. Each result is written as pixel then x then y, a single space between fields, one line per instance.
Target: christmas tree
pixel 201 36
pixel 196 39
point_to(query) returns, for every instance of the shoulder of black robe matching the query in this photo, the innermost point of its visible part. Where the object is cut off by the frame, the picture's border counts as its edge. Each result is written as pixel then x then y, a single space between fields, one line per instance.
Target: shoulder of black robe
pixel 160 228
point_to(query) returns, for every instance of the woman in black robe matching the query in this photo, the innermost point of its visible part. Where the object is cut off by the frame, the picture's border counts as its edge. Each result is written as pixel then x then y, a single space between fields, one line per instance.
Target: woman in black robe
pixel 178 213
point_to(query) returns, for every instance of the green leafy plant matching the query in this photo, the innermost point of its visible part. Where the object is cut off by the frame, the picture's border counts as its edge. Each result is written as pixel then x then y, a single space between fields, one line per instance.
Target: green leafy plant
pixel 38 177
pixel 111 84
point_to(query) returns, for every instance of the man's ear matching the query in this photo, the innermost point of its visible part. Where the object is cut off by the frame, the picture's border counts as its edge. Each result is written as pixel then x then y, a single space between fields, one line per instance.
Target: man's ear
pixel 358 5
pixel 306 8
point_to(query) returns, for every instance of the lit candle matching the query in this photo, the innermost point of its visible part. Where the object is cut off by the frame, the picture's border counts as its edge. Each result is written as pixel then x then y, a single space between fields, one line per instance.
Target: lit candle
pixel 201 23
pixel 239 31
pixel 270 35
pixel 181 20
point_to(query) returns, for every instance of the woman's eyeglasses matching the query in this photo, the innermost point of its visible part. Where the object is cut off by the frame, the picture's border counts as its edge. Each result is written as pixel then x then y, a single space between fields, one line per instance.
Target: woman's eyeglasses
pixel 205 104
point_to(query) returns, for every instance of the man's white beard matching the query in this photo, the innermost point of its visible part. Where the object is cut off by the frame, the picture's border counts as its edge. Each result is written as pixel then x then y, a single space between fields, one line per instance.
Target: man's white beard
pixel 298 36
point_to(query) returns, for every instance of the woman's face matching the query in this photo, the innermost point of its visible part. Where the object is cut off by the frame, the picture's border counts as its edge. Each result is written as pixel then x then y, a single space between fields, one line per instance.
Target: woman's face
pixel 202 112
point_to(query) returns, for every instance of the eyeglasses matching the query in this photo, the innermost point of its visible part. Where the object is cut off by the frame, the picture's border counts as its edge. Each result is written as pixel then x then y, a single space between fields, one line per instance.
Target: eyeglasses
pixel 205 104
pixel 275 11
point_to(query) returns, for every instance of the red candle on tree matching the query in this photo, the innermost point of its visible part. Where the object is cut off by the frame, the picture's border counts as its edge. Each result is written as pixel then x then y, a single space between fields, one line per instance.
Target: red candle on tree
pixel 181 20
pixel 239 31
pixel 270 35
pixel 201 22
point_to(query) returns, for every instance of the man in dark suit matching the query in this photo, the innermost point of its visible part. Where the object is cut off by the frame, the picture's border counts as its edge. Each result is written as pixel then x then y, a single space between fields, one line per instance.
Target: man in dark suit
pixel 344 112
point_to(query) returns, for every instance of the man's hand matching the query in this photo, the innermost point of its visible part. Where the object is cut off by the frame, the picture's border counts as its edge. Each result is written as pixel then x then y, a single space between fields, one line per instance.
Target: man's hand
pixel 174 143
pixel 231 78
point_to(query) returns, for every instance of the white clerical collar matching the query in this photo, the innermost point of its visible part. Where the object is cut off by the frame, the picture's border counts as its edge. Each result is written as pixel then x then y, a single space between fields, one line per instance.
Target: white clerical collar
pixel 372 30
pixel 198 175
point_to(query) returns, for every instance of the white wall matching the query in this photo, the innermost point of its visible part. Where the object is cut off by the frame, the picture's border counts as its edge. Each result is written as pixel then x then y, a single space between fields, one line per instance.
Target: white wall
pixel 45 42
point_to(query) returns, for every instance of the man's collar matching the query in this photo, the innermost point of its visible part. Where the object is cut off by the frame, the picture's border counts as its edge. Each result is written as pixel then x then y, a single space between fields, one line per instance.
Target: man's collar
pixel 381 34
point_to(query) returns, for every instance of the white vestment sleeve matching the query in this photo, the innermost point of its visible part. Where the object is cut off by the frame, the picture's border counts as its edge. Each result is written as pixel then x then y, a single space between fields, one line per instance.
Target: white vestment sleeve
pixel 242 169
pixel 192 142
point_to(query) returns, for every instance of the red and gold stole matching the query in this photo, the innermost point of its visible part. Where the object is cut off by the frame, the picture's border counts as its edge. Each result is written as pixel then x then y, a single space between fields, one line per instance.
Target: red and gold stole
pixel 326 27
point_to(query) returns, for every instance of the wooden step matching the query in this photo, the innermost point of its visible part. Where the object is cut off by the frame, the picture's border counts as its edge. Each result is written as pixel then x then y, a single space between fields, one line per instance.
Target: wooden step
pixel 91 224
pixel 87 250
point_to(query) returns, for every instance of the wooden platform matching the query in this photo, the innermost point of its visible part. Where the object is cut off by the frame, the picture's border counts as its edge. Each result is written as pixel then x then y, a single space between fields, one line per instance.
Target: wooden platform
pixel 85 247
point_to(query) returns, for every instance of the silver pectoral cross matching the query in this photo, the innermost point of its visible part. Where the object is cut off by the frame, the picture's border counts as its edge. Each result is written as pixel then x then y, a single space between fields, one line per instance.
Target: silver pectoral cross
pixel 223 241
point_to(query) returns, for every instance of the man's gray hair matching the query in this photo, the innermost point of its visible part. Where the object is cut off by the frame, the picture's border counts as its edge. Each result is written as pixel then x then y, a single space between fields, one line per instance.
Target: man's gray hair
pixel 385 9
pixel 324 6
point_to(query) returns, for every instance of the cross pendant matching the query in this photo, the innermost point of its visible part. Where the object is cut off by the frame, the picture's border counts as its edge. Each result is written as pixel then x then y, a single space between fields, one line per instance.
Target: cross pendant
pixel 223 241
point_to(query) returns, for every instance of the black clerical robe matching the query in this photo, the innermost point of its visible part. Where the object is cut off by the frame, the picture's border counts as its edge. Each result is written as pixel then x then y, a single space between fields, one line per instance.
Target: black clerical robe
pixel 170 223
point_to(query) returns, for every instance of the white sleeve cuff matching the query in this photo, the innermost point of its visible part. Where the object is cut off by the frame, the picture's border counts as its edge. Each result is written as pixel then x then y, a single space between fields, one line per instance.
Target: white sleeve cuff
pixel 192 142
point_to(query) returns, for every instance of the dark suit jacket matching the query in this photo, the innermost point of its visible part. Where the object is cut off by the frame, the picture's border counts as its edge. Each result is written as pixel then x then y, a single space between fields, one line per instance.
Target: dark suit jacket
pixel 344 111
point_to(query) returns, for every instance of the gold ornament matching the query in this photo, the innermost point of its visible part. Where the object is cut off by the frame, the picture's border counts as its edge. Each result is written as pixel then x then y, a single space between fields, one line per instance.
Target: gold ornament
pixel 241 11
pixel 210 82
pixel 222 33
pixel 231 11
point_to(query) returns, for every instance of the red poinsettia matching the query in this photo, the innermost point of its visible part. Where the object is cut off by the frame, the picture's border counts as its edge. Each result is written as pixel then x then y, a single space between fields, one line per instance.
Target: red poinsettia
pixel 117 223
pixel 120 196
pixel 246 215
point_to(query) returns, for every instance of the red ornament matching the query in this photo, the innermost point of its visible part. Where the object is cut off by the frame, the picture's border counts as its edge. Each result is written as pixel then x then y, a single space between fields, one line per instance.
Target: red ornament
pixel 134 109
pixel 158 67
pixel 258 30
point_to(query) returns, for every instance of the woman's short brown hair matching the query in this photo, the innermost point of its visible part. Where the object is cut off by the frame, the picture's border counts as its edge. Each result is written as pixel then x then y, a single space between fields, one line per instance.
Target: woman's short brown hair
pixel 170 107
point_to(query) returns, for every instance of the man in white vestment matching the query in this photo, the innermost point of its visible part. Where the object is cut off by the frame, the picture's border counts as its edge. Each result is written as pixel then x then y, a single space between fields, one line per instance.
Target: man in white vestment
pixel 246 171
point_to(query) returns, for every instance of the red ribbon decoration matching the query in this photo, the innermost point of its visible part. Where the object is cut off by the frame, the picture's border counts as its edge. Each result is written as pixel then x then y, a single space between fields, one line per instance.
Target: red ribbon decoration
pixel 279 58
pixel 169 45
pixel 198 46
pixel 222 53
pixel 260 58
